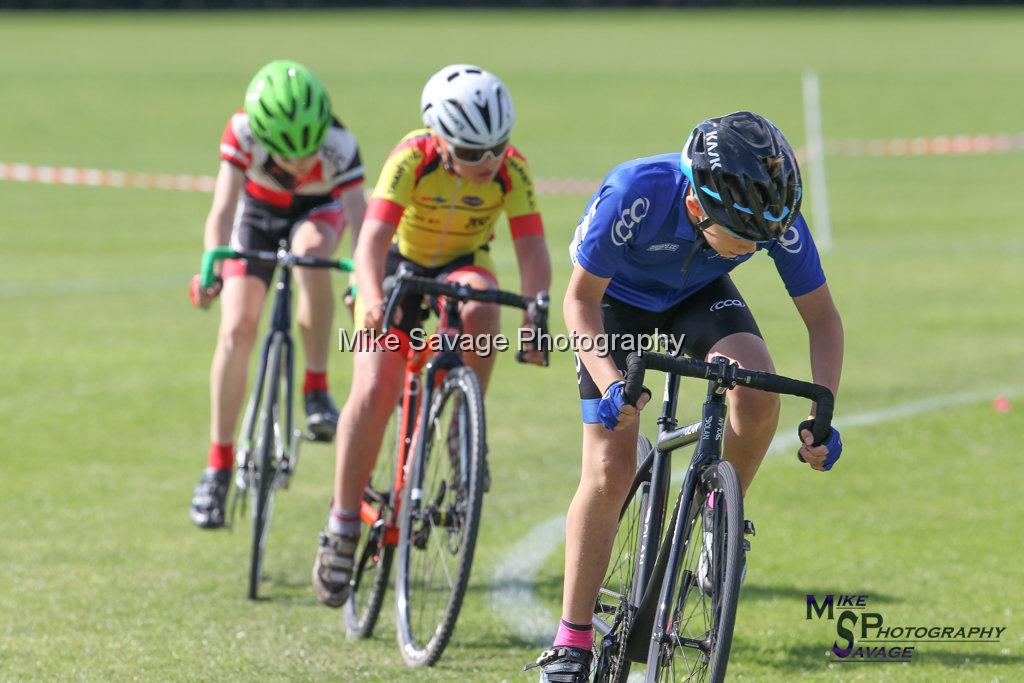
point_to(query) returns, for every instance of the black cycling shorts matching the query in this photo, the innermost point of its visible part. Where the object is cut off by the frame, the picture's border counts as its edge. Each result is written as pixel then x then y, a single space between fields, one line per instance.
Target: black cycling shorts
pixel 704 318
pixel 259 227
pixel 414 308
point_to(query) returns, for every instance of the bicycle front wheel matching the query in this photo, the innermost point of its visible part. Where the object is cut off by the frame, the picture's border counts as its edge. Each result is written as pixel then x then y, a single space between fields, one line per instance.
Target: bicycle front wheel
pixel 375 553
pixel 267 456
pixel 439 518
pixel 694 644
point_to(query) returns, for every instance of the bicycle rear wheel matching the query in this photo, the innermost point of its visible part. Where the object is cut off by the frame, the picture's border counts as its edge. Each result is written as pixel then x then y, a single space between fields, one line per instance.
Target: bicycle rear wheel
pixel 694 644
pixel 619 597
pixel 439 519
pixel 374 554
pixel 266 460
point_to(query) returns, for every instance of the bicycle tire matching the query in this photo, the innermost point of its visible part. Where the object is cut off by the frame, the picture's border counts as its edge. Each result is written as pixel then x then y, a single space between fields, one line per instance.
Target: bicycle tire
pixel 373 555
pixel 422 635
pixel 617 599
pixel 265 459
pixel 726 563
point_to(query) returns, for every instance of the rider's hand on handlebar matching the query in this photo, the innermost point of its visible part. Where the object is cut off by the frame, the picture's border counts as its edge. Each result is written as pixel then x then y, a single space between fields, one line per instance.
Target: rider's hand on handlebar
pixel 615 413
pixel 200 297
pixel 349 297
pixel 373 319
pixel 529 354
pixel 822 457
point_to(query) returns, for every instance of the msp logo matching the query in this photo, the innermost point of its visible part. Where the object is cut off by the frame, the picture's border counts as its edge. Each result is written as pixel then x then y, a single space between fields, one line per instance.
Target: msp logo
pixel 866 637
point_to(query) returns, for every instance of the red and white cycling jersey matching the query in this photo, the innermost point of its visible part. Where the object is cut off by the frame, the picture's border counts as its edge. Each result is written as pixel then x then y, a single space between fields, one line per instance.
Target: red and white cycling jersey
pixel 338 168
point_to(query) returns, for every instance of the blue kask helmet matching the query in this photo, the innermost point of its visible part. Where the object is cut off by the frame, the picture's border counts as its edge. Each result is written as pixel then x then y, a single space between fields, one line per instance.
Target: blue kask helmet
pixel 744 174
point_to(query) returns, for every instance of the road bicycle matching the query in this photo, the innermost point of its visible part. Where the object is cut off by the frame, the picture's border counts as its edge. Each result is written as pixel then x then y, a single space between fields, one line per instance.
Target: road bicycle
pixel 661 602
pixel 422 504
pixel 268 444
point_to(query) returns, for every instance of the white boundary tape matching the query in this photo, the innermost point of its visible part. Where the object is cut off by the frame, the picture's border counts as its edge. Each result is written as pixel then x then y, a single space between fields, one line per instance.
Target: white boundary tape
pixel 511 595
pixel 92 177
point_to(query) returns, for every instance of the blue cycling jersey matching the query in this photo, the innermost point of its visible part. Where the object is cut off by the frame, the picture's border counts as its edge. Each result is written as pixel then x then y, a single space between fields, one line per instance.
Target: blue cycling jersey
pixel 635 231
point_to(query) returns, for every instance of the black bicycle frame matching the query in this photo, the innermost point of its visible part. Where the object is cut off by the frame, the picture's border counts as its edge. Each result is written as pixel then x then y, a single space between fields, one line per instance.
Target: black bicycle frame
pixel 280 323
pixel 708 433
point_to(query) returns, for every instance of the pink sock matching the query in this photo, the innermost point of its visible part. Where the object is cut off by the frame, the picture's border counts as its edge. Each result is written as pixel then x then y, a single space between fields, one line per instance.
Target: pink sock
pixel 574 635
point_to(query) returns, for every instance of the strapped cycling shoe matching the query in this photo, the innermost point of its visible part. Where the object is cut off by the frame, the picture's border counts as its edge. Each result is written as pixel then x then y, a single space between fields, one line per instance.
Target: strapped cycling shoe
pixel 563 664
pixel 332 570
pixel 209 499
pixel 321 415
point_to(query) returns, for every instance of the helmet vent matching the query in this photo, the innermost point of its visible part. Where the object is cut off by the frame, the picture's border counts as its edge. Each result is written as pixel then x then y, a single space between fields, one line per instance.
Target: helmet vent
pixel 322 131
pixel 455 104
pixel 266 111
pixel 288 141
pixel 290 113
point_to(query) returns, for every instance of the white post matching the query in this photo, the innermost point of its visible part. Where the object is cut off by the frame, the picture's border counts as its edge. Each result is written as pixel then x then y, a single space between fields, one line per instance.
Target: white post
pixel 816 161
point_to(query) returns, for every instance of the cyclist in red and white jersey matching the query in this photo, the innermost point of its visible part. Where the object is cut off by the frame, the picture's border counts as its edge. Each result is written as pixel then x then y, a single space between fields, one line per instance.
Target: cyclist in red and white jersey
pixel 289 170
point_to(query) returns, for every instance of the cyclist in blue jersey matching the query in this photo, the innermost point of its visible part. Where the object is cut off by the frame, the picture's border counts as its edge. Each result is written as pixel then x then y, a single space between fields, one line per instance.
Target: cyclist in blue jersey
pixel 653 251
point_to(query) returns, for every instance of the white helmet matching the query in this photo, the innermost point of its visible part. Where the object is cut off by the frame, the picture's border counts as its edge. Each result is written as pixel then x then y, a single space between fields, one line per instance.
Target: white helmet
pixel 468 106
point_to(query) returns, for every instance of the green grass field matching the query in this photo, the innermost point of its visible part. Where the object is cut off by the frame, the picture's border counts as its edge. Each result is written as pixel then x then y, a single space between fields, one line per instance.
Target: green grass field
pixel 103 364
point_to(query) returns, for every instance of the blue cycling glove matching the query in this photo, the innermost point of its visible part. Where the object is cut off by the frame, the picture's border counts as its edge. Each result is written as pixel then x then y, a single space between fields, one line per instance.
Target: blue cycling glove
pixel 611 402
pixel 834 444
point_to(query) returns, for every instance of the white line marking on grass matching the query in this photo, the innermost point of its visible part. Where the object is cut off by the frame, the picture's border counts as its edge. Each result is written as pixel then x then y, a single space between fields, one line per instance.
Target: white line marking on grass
pixel 786 440
pixel 512 595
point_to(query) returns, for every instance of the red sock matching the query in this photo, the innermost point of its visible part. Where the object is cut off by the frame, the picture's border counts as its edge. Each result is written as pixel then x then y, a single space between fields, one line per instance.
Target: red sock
pixel 221 456
pixel 315 381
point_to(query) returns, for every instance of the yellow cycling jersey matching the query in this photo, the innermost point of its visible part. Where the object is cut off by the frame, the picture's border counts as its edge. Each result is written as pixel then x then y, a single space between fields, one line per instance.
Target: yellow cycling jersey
pixel 442 216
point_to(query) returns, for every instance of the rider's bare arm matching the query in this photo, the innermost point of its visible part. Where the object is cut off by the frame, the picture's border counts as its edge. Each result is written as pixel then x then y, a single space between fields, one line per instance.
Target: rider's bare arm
pixel 353 200
pixel 825 332
pixel 582 312
pixel 534 264
pixel 534 277
pixel 370 255
pixel 222 213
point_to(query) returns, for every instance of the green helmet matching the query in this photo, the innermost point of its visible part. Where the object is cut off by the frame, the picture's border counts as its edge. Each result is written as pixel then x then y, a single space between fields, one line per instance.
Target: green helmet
pixel 289 109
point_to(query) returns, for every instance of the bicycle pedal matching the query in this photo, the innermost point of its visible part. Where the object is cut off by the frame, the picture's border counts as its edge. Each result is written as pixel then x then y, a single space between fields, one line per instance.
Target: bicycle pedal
pixel 748 528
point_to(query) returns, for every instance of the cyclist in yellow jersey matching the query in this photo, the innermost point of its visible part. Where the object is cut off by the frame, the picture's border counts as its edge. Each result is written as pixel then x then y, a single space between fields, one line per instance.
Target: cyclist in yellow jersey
pixel 434 208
